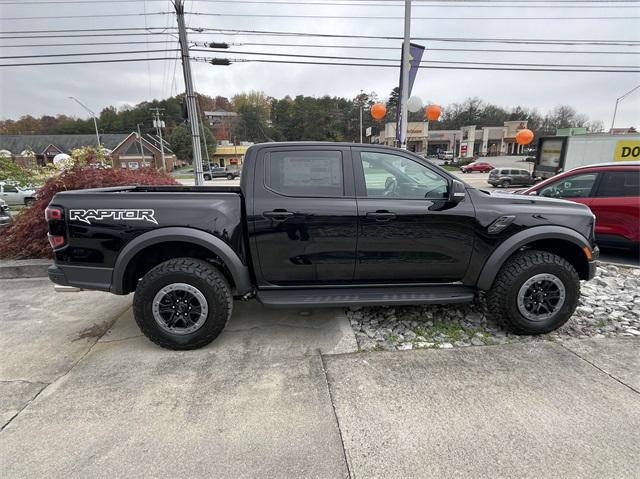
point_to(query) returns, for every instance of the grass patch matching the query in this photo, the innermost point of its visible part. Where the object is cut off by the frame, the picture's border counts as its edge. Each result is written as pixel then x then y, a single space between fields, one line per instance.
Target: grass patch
pixel 450 168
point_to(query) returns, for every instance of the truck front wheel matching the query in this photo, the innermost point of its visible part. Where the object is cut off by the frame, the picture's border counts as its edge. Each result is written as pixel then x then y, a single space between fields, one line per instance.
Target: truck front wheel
pixel 183 303
pixel 535 292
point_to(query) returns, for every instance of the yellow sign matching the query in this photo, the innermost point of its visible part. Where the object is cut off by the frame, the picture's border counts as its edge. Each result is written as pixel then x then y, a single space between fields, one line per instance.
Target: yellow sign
pixel 627 150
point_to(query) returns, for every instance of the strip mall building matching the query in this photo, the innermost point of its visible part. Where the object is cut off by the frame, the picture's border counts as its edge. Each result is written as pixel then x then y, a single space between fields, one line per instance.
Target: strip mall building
pixel 466 142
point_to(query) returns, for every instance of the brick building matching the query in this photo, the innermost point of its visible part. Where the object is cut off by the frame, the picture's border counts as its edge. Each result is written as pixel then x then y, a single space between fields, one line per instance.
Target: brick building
pixel 122 149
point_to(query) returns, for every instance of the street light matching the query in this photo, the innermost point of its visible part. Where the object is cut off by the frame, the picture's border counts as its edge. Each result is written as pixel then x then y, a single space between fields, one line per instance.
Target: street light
pixel 93 115
pixel 615 110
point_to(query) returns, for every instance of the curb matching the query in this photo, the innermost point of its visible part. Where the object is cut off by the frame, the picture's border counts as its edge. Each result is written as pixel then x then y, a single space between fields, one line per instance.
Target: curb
pixel 27 268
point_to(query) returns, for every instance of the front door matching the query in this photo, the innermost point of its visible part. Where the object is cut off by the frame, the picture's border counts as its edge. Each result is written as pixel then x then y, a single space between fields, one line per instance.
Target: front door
pixel 303 227
pixel 408 230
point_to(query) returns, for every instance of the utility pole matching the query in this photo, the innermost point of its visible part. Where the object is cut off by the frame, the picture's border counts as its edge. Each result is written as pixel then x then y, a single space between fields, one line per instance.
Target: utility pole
pixel 141 146
pixel 361 105
pixel 190 96
pixel 406 49
pixel 618 100
pixel 159 124
pixel 93 115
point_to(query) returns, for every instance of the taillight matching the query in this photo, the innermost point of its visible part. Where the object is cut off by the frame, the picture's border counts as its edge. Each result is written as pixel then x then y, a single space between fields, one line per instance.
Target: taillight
pixel 53 213
pixel 56 241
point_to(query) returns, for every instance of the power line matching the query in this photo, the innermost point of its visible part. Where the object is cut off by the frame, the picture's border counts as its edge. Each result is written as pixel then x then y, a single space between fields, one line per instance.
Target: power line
pixel 81 62
pixel 84 44
pixel 227 31
pixel 425 3
pixel 93 15
pixel 386 17
pixel 429 49
pixel 423 61
pixel 51 55
pixel 429 67
pixel 67 30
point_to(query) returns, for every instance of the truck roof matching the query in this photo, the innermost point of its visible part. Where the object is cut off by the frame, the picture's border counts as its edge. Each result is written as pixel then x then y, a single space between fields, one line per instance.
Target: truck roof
pixel 324 143
pixel 610 163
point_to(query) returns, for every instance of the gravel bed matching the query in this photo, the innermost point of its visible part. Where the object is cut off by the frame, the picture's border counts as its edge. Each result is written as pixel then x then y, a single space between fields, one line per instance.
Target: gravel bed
pixel 609 305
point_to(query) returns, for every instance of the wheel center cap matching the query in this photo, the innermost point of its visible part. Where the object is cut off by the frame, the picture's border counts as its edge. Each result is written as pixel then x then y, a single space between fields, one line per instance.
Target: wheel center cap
pixel 182 308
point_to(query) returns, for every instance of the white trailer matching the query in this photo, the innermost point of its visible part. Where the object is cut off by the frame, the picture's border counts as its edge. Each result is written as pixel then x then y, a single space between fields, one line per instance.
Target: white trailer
pixel 561 153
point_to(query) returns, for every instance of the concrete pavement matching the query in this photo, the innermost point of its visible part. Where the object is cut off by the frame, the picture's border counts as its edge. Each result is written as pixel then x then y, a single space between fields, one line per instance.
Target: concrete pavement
pixel 280 394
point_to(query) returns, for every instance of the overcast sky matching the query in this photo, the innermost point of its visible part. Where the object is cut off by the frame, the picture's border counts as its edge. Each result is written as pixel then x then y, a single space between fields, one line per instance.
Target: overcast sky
pixel 44 90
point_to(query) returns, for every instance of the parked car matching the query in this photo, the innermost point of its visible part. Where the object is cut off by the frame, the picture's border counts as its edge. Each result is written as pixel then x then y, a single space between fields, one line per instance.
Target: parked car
pixel 610 190
pixel 445 155
pixel 16 196
pixel 220 172
pixel 506 177
pixel 481 166
pixel 5 217
pixel 322 224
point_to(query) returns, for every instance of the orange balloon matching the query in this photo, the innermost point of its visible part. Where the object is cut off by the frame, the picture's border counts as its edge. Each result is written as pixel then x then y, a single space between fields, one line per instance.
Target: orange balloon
pixel 433 112
pixel 524 137
pixel 378 111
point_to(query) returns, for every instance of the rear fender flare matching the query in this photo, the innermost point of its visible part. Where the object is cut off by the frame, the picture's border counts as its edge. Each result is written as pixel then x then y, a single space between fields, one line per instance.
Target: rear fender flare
pixel 238 270
pixel 517 241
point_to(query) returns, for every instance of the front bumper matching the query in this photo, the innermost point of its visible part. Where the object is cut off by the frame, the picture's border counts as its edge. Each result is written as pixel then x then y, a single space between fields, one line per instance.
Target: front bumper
pixel 595 254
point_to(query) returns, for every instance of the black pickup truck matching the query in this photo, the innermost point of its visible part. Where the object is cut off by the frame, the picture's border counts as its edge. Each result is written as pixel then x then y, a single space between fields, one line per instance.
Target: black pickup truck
pixel 322 224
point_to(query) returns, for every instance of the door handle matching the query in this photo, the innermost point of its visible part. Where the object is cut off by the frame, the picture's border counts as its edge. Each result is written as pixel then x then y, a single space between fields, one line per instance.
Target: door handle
pixel 381 215
pixel 277 214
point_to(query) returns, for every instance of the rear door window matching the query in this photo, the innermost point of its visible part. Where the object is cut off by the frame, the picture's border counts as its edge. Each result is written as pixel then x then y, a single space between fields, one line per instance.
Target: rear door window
pixel 619 183
pixel 305 173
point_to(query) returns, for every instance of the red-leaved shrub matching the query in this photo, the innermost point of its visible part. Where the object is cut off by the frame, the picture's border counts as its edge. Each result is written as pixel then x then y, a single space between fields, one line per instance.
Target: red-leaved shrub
pixel 26 237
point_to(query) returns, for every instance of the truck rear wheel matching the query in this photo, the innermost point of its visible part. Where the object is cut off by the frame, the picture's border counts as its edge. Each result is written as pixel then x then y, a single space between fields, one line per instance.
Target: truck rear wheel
pixel 535 292
pixel 183 303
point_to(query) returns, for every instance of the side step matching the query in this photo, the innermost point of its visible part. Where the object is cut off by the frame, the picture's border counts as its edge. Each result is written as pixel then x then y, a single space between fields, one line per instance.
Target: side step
pixel 373 296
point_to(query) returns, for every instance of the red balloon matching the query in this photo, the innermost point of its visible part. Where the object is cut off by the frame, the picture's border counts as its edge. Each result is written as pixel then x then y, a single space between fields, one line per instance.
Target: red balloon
pixel 378 111
pixel 524 137
pixel 433 112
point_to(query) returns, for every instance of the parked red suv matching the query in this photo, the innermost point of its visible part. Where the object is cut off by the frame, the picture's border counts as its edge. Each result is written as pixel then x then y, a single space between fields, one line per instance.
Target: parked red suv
pixel 611 190
pixel 481 166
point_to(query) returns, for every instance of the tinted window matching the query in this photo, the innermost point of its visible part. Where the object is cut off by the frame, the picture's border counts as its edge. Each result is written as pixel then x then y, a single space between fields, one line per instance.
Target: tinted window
pixel 524 172
pixel 392 176
pixel 619 183
pixel 305 173
pixel 577 186
pixel 514 172
pixel 504 172
pixel 10 189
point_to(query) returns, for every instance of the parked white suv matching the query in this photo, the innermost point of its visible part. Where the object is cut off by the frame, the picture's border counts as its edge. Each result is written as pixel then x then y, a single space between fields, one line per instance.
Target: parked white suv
pixel 14 195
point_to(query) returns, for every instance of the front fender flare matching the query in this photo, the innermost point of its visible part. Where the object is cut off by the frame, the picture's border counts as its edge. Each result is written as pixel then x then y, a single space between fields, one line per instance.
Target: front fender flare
pixel 239 271
pixel 517 241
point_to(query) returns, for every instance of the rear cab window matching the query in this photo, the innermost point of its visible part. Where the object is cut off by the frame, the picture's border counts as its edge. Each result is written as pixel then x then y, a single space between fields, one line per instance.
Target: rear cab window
pixel 305 173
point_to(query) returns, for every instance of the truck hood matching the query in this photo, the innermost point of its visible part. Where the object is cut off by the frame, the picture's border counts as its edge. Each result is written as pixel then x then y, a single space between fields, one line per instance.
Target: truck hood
pixel 531 211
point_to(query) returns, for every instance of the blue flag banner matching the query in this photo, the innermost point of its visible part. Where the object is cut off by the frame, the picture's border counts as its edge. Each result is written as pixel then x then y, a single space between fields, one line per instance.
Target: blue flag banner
pixel 415 57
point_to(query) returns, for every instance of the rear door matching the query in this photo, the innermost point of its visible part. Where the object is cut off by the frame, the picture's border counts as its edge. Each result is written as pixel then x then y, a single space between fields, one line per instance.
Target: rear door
pixel 407 231
pixel 616 204
pixel 304 221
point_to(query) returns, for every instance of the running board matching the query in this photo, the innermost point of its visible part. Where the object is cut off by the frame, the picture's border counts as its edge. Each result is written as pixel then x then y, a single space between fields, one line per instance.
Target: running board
pixel 374 296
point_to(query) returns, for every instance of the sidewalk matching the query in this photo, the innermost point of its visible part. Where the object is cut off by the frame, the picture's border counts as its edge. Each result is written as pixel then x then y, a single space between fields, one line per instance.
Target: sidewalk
pixel 279 394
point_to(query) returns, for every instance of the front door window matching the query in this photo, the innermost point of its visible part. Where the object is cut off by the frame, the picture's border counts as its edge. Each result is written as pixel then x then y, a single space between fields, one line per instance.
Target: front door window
pixel 392 176
pixel 577 186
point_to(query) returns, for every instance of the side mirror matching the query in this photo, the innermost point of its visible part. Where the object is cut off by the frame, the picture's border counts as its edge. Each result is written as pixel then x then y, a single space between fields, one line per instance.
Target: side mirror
pixel 457 191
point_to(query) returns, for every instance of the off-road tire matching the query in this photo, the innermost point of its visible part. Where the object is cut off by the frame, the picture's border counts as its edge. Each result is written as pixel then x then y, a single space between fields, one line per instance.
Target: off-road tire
pixel 502 297
pixel 195 272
